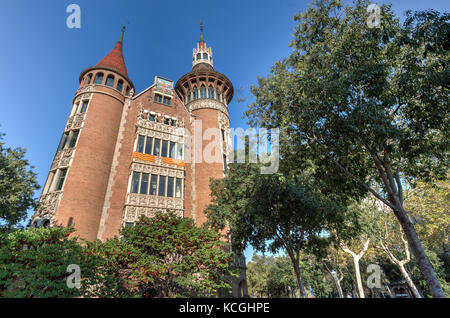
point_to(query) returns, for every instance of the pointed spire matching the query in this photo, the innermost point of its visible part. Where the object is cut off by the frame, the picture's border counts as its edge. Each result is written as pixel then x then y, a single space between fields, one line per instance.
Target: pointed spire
pixel 202 39
pixel 121 35
pixel 114 60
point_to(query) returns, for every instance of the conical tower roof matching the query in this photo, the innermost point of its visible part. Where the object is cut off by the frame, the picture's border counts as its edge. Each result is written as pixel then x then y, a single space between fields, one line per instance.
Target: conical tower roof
pixel 114 59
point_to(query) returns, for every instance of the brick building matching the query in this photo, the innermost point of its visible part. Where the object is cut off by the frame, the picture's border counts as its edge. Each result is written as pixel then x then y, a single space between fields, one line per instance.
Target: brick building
pixel 124 154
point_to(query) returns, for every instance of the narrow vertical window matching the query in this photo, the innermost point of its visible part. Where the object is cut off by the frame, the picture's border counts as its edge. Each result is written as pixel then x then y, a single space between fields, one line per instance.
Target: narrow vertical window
pixel 156 147
pixel 162 186
pixel 74 138
pixel 178 188
pixel 195 94
pixel 189 97
pixel 89 78
pixel 119 86
pixel 63 142
pixel 170 184
pixel 61 178
pixel 135 182
pixel 203 92
pixel 144 183
pixel 110 80
pixel 224 163
pixel 172 150
pixel 205 56
pixel 84 106
pixel 148 145
pixel 199 56
pixel 99 78
pixel 164 148
pixel 153 184
pixel 210 92
pixel 127 91
pixel 180 151
pixel 140 144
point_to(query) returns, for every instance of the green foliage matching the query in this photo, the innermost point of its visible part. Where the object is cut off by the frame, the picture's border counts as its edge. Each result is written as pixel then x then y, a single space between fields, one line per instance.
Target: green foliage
pixel 174 257
pixel 17 186
pixel 34 263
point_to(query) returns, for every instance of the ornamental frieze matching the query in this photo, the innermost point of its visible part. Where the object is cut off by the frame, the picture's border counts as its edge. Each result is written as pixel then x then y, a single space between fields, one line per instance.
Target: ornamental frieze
pixel 147 200
pixel 152 169
pixel 159 127
pixel 208 103
pixel 132 213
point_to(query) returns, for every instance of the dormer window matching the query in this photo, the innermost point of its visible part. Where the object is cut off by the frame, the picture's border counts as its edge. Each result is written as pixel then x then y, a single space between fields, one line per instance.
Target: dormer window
pixel 166 100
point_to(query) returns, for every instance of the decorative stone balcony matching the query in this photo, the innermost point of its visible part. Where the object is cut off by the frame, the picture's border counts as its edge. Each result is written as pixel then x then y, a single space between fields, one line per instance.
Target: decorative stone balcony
pixel 48 204
pixel 75 122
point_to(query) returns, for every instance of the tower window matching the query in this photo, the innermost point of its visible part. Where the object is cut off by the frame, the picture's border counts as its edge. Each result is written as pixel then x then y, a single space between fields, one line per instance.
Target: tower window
pixel 173 122
pixel 84 106
pixel 199 56
pixel 164 148
pixel 170 184
pixel 144 183
pixel 63 142
pixel 162 186
pixel 148 145
pixel 172 148
pixel 140 144
pixel 178 188
pixel 89 78
pixel 73 139
pixel 180 151
pixel 119 86
pixel 166 121
pixel 157 146
pixel 202 92
pixel 205 56
pixel 61 178
pixel 99 78
pixel 210 92
pixel 135 182
pixel 153 184
pixel 127 91
pixel 110 81
pixel 195 94
pixel 224 163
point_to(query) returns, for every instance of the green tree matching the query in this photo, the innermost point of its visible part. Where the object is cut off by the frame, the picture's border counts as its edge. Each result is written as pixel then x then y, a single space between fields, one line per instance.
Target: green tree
pixel 177 258
pixel 17 186
pixel 257 275
pixel 271 213
pixel 34 263
pixel 365 105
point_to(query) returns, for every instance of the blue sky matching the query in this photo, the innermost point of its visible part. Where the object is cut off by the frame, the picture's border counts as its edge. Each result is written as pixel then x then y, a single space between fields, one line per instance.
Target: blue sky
pixel 41 59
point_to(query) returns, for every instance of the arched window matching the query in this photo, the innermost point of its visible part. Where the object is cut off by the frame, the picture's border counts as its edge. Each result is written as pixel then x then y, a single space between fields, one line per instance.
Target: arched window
pixel 205 56
pixel 218 95
pixel 127 92
pixel 199 56
pixel 189 96
pixel 89 78
pixel 203 92
pixel 195 95
pixel 99 78
pixel 210 92
pixel 110 80
pixel 119 86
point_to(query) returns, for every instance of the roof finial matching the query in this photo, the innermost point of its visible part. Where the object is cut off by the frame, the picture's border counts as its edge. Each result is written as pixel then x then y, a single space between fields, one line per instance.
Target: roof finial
pixel 202 39
pixel 121 35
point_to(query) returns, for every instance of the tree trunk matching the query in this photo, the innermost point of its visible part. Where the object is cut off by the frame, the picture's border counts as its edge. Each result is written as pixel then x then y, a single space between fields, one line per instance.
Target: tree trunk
pixel 425 266
pixel 409 281
pixel 358 277
pixel 338 286
pixel 299 279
